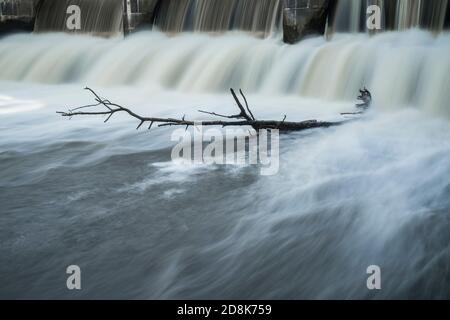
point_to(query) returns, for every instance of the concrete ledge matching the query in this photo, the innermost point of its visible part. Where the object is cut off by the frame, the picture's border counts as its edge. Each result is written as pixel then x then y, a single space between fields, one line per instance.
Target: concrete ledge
pixel 303 18
pixel 16 16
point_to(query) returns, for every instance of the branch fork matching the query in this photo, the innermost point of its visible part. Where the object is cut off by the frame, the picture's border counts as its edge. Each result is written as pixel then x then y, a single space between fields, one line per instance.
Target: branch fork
pixel 245 117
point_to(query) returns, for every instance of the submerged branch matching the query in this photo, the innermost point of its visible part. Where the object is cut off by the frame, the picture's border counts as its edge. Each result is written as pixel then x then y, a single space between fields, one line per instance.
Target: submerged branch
pixel 244 118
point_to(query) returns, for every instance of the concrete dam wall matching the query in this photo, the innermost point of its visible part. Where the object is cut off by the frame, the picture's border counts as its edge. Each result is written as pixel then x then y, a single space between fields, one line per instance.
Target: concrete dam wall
pixel 295 19
pixel 16 15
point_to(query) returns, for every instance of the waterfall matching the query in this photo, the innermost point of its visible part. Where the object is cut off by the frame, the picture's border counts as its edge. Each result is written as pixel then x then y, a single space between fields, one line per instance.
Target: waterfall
pixel 144 224
pixel 350 16
pixel 420 13
pixel 257 16
pixel 99 17
pixel 402 68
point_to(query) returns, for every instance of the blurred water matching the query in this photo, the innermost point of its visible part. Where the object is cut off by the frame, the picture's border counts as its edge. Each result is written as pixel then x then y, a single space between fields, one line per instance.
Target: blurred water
pixel 260 17
pixel 402 69
pixel 107 197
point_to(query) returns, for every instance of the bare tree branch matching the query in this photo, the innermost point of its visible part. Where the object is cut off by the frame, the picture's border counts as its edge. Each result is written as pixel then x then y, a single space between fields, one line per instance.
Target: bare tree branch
pixel 243 113
pixel 244 118
pixel 246 104
pixel 351 113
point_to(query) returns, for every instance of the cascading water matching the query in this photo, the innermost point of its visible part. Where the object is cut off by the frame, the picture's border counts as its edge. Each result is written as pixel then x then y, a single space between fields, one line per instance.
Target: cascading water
pixel 402 69
pixel 99 17
pixel 347 17
pixel 110 199
pixel 419 13
pixel 350 16
pixel 257 16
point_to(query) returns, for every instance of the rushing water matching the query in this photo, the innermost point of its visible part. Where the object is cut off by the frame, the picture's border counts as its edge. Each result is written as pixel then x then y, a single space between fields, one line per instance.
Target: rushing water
pixel 100 17
pixel 257 16
pixel 350 16
pixel 108 198
pixel 401 69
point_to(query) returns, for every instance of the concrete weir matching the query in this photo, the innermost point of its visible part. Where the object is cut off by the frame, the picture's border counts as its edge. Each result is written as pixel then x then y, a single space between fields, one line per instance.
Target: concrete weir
pixel 294 19
pixel 302 18
pixel 138 14
pixel 299 18
pixel 16 16
pixel 97 17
